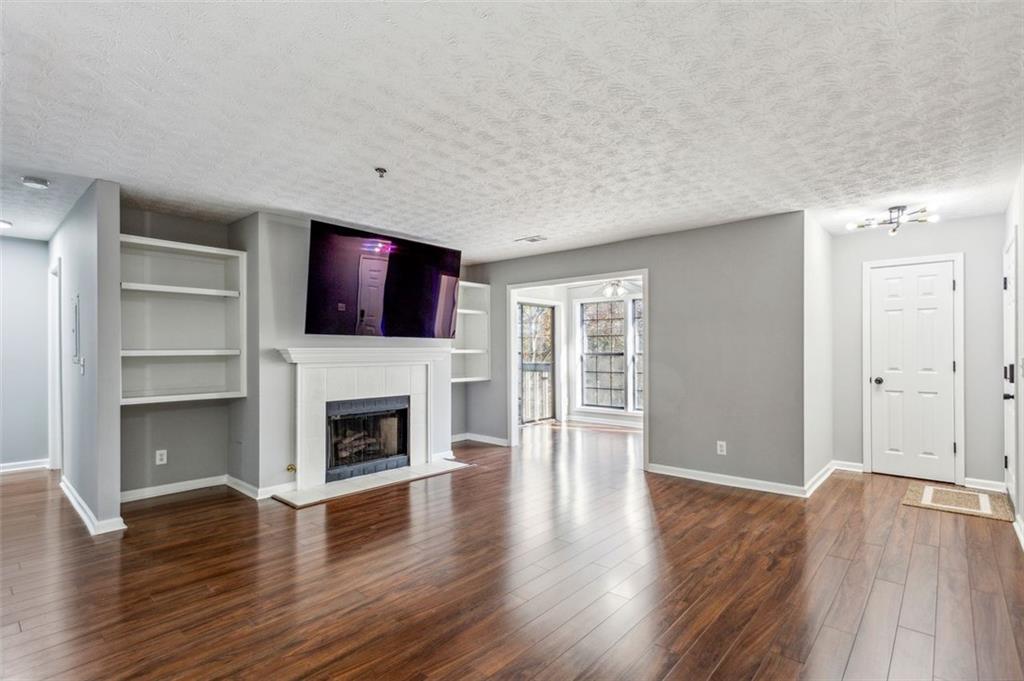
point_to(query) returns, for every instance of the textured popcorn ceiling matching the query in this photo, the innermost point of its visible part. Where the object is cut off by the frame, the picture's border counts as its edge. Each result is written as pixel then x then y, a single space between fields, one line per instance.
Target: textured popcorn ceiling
pixel 587 123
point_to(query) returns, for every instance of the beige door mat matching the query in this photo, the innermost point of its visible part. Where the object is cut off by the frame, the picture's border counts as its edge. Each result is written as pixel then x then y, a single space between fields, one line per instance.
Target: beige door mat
pixel 995 505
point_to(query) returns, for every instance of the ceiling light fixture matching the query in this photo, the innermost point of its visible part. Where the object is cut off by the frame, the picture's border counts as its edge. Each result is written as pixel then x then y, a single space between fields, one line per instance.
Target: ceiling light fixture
pixel 532 239
pixel 613 289
pixel 6 224
pixel 381 172
pixel 35 182
pixel 898 216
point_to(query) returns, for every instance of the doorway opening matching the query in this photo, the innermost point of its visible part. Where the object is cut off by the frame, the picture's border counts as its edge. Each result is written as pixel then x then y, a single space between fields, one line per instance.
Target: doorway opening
pixel 579 351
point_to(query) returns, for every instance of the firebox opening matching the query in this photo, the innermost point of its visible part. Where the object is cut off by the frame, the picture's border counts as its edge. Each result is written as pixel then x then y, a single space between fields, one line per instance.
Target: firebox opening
pixel 366 436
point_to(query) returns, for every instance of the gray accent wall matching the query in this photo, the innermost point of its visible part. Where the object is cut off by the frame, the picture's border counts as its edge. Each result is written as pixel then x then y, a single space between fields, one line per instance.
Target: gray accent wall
pixel 458 408
pixel 195 435
pixel 725 308
pixel 24 274
pixel 87 245
pixel 981 241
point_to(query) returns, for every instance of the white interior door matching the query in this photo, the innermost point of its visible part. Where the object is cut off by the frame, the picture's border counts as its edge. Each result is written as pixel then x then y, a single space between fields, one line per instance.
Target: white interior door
pixel 1010 366
pixel 373 271
pixel 911 371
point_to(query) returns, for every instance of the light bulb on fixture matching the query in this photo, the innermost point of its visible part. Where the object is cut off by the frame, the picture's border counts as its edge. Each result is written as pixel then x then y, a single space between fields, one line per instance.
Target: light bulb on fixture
pixel 613 289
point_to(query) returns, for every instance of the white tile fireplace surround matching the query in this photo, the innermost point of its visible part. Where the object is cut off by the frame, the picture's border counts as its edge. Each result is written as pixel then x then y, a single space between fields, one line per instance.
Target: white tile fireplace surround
pixel 328 374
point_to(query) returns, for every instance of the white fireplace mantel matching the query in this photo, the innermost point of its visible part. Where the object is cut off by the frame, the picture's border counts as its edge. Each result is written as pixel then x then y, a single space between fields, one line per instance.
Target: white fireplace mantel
pixel 327 374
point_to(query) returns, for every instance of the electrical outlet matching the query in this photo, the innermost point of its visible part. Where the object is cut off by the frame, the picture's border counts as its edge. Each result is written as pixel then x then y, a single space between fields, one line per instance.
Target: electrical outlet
pixel 721 451
pixel 161 457
pixel 341 307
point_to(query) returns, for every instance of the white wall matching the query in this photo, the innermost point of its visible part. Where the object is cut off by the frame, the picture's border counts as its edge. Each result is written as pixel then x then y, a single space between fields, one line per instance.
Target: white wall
pixel 981 241
pixel 88 247
pixel 818 364
pixel 24 273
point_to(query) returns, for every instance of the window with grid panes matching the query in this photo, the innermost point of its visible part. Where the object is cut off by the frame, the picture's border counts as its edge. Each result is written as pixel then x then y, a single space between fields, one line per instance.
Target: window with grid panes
pixel 604 353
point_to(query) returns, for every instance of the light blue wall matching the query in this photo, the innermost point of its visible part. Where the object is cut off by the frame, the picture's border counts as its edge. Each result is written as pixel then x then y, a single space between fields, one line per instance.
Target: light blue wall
pixel 24 269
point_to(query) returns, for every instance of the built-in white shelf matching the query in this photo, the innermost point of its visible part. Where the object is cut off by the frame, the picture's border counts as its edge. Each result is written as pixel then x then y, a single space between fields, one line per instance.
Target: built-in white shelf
pixel 182 322
pixel 225 352
pixel 179 290
pixel 143 398
pixel 471 351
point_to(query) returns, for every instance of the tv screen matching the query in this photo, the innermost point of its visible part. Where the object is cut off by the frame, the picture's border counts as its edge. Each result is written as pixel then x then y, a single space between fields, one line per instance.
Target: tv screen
pixel 365 284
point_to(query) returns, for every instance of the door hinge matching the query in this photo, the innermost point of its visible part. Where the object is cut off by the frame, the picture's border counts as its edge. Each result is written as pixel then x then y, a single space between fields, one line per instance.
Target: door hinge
pixel 1006 462
pixel 954 448
pixel 954 284
pixel 954 366
pixel 1005 285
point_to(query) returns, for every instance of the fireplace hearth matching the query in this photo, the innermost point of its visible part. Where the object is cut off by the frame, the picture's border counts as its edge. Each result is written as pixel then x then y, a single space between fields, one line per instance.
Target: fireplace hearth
pixel 366 436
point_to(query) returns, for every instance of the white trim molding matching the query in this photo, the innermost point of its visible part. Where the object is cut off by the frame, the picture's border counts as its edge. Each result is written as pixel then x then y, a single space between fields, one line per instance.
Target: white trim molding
pixel 759 485
pixel 476 437
pixel 1018 528
pixel 172 488
pixel 959 417
pixel 257 493
pixel 31 464
pixel 728 480
pixel 987 485
pixel 85 513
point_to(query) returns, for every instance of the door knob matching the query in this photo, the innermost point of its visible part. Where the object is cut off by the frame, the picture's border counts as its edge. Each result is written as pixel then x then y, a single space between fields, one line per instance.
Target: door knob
pixel 879 380
pixel 1007 396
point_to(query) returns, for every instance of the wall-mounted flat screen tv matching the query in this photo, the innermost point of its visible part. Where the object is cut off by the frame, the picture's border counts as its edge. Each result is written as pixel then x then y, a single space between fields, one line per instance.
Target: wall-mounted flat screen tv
pixel 366 284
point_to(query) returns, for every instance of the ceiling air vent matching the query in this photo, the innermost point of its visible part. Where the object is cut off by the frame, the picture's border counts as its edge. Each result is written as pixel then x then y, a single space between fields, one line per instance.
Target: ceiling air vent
pixel 532 239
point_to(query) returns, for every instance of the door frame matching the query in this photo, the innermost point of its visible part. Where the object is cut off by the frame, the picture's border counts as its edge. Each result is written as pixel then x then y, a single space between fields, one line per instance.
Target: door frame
pixel 1011 469
pixel 557 331
pixel 957 259
pixel 510 368
pixel 55 363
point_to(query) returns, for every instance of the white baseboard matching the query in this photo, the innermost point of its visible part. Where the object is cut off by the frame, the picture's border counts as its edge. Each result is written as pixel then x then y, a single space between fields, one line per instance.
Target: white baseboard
pixel 85 513
pixel 853 466
pixel 24 465
pixel 476 437
pixel 821 476
pixel 759 485
pixel 623 422
pixel 172 488
pixel 254 492
pixel 987 485
pixel 1018 528
pixel 727 480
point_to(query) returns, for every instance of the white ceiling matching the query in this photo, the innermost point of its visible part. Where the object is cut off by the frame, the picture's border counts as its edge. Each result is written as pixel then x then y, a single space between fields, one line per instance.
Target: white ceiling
pixel 586 122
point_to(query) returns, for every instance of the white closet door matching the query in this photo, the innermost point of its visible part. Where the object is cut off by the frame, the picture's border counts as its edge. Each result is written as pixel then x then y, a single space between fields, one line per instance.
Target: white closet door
pixel 912 380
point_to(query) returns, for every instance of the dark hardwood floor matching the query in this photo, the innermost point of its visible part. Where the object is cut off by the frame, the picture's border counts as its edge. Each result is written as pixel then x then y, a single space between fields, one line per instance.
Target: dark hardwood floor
pixel 559 561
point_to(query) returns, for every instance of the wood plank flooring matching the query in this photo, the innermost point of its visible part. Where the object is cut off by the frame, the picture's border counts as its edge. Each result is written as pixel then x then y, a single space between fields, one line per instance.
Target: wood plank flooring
pixel 561 560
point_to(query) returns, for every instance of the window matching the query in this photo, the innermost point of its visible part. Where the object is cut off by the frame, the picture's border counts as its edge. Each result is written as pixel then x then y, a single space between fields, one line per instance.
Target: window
pixel 603 355
pixel 638 353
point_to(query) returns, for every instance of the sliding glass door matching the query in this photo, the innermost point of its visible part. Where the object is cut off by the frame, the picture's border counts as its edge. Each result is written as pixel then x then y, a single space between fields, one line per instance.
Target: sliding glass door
pixel 536 362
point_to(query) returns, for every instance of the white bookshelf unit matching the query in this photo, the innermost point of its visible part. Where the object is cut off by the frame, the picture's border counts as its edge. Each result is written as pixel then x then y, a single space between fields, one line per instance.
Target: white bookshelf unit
pixel 471 351
pixel 182 321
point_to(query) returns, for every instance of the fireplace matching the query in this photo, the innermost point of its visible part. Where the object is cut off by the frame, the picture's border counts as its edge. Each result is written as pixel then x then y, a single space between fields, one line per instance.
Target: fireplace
pixel 366 436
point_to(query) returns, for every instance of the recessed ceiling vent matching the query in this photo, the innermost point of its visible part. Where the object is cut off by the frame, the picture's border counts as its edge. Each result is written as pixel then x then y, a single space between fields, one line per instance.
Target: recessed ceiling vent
pixel 532 239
